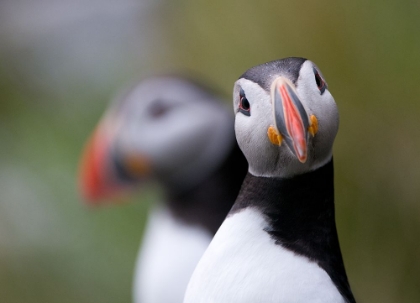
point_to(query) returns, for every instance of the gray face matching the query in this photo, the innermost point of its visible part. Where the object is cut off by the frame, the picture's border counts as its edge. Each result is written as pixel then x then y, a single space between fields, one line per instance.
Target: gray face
pixel 311 94
pixel 180 129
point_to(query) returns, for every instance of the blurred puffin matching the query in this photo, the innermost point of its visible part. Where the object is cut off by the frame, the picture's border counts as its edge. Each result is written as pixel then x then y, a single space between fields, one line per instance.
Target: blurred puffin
pixel 177 132
pixel 279 242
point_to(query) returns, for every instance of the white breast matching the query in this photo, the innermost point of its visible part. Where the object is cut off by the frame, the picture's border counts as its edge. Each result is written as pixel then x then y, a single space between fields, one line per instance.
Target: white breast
pixel 243 264
pixel 169 253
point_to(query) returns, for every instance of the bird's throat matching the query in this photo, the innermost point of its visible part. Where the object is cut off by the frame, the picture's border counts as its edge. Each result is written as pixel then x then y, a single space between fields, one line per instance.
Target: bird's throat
pixel 299 212
pixel 302 197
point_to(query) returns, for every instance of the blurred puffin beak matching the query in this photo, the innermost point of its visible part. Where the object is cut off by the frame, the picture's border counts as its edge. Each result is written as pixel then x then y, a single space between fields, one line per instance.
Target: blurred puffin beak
pixel 104 176
pixel 93 183
pixel 291 119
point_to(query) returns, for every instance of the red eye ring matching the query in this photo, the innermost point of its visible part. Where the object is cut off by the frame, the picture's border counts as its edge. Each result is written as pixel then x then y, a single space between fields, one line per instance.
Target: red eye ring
pixel 244 106
pixel 320 83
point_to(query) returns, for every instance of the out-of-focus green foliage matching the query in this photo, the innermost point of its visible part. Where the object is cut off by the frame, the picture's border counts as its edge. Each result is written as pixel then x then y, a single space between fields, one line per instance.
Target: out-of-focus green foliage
pixel 52 249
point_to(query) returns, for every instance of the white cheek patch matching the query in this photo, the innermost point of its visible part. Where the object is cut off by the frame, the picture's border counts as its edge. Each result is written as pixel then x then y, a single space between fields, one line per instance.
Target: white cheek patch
pixel 191 143
pixel 184 144
pixel 325 110
pixel 251 131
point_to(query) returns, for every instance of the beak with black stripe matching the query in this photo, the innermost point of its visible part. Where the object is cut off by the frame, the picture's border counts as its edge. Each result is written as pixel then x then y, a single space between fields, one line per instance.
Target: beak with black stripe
pixel 106 173
pixel 291 118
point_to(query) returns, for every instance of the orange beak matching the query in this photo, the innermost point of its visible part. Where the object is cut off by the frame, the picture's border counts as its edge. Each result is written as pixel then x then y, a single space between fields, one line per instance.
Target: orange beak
pixel 105 175
pixel 93 171
pixel 290 117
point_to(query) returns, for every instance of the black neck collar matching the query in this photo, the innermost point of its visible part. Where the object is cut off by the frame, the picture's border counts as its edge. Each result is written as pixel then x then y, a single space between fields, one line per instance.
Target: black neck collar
pixel 208 203
pixel 300 216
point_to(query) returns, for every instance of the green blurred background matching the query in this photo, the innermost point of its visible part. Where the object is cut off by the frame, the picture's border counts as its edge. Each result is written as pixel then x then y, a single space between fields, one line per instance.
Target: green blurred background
pixel 62 61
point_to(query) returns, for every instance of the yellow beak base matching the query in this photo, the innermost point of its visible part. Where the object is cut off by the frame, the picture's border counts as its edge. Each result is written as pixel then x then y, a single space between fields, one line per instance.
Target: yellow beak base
pixel 313 128
pixel 274 136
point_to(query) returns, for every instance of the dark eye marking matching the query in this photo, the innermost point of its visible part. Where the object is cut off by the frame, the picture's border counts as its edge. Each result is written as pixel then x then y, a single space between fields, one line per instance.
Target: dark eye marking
pixel 244 106
pixel 158 109
pixel 322 86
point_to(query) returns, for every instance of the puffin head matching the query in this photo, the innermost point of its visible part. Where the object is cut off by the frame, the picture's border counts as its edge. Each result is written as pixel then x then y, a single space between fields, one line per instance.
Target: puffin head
pixel 166 128
pixel 286 118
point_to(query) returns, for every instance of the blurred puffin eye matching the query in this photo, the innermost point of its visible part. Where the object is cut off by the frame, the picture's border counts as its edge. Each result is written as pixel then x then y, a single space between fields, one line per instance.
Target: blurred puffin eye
pixel 158 109
pixel 244 106
pixel 320 82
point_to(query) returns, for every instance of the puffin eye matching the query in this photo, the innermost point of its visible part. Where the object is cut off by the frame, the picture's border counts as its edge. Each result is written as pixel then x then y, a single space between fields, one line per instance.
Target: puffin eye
pixel 158 109
pixel 320 82
pixel 244 106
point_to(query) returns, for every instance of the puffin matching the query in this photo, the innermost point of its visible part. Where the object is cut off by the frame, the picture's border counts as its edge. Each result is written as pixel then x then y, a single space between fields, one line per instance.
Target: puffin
pixel 279 242
pixel 178 133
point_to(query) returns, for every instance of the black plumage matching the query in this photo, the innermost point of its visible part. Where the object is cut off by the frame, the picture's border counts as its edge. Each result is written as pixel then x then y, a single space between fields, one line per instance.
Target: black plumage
pixel 264 74
pixel 300 216
pixel 208 202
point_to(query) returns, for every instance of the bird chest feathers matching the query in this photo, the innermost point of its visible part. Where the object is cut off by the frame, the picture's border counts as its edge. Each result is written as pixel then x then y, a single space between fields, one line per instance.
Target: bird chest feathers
pixel 247 266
